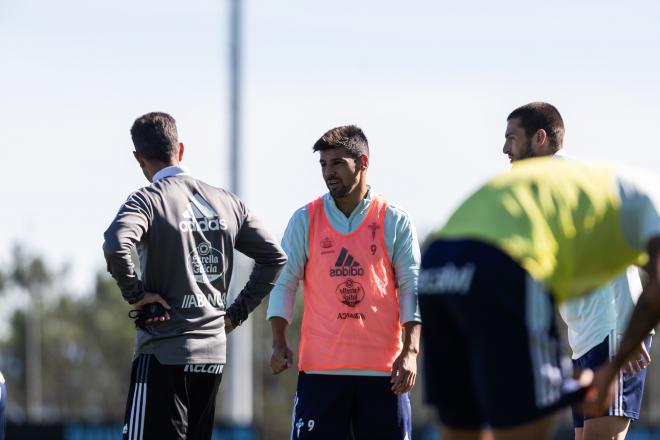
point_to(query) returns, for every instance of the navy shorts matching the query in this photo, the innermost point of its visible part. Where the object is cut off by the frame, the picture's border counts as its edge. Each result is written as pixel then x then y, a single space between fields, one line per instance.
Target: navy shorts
pixel 490 348
pixel 629 390
pixel 334 406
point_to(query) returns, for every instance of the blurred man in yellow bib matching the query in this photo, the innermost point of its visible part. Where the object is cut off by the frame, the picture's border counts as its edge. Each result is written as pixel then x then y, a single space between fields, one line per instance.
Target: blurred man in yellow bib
pixel 544 232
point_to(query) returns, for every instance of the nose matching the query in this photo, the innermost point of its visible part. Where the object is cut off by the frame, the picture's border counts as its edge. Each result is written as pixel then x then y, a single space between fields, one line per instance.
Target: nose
pixel 328 171
pixel 505 149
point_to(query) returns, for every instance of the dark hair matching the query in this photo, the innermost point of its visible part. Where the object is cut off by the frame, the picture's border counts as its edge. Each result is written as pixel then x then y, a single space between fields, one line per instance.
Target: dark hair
pixel 349 137
pixel 541 115
pixel 155 137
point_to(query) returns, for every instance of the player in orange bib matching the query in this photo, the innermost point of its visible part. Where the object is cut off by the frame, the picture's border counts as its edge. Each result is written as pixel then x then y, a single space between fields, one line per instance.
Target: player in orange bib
pixel 358 259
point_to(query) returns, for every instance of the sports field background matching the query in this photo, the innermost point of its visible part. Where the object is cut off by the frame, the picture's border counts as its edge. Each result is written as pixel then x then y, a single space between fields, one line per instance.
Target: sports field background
pixel 86 346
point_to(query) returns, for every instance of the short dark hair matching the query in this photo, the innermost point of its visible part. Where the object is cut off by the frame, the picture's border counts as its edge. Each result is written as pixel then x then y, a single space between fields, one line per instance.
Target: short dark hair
pixel 541 115
pixel 155 136
pixel 349 137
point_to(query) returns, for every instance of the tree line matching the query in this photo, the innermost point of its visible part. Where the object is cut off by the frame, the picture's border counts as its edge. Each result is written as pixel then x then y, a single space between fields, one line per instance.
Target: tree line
pixel 83 345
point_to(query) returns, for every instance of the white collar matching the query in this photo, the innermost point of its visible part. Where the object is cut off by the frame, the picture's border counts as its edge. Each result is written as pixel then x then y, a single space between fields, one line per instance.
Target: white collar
pixel 173 170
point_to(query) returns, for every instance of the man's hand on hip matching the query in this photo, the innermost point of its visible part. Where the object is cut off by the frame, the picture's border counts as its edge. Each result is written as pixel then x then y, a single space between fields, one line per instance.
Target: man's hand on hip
pixel 149 298
pixel 229 326
pixel 637 361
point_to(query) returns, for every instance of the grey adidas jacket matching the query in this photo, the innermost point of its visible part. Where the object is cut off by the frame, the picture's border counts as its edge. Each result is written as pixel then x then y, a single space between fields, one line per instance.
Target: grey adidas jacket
pixel 185 232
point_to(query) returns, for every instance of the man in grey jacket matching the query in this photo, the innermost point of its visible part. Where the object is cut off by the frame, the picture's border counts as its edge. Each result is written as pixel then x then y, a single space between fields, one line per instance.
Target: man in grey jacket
pixel 185 232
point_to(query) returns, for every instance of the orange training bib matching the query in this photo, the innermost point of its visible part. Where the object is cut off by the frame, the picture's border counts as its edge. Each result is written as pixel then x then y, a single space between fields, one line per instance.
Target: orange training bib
pixel 351 315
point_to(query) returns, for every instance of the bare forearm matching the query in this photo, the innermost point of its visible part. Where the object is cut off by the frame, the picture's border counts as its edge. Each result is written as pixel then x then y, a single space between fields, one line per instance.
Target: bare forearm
pixel 278 326
pixel 282 357
pixel 644 317
pixel 411 332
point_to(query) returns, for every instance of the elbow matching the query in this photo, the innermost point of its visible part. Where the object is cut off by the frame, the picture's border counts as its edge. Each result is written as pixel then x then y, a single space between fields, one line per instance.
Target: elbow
pixel 111 245
pixel 279 259
pixel 274 259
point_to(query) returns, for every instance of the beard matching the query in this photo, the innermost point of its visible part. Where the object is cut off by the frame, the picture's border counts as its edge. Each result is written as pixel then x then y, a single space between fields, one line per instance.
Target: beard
pixel 527 151
pixel 340 190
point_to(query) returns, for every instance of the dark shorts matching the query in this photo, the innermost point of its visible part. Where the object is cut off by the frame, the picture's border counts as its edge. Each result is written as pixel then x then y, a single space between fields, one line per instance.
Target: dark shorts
pixel 490 347
pixel 331 407
pixel 174 402
pixel 629 390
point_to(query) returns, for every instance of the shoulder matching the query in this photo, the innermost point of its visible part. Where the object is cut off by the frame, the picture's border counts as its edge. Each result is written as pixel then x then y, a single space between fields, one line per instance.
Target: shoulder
pixel 638 181
pixel 141 196
pixel 300 215
pixel 224 195
pixel 299 221
pixel 303 211
pixel 395 212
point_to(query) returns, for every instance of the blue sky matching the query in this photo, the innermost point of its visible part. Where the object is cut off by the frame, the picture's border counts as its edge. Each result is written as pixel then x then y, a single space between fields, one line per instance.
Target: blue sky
pixel 431 84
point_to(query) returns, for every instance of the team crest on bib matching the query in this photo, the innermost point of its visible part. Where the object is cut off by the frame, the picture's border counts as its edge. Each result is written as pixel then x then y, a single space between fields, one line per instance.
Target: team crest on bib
pixel 350 293
pixel 327 246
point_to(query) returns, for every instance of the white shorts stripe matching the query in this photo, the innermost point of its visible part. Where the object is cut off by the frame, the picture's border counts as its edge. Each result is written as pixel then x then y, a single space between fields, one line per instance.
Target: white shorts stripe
pixel 136 422
pixel 616 408
pixel 136 387
pixel 293 415
pixel 144 398
pixel 620 408
pixel 615 401
pixel 133 406
pixel 136 396
pixel 619 399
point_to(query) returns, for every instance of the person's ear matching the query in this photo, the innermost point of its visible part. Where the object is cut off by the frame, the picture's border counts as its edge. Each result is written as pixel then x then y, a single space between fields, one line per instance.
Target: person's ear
pixel 364 162
pixel 541 136
pixel 181 148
